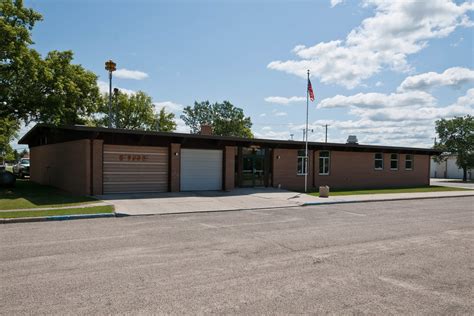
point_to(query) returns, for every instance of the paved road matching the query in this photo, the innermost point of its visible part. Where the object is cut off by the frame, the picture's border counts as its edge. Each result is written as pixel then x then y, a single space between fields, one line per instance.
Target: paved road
pixel 394 257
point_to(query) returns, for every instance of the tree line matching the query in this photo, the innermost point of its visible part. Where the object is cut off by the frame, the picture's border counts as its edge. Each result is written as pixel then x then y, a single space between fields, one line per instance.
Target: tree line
pixel 54 90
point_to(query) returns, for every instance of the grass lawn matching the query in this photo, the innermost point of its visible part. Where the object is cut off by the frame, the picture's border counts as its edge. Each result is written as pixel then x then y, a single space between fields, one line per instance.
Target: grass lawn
pixel 69 211
pixel 28 194
pixel 392 190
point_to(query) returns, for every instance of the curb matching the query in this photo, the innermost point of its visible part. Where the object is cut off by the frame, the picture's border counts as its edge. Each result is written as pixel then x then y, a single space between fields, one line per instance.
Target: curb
pixel 385 200
pixel 55 218
pixel 212 211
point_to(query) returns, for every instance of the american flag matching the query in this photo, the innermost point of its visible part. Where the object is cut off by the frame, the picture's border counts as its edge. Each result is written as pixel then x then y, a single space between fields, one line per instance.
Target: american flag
pixel 310 91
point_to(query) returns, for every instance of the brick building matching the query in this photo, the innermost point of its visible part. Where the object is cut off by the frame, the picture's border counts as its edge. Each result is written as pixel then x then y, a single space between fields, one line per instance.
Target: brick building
pixel 89 160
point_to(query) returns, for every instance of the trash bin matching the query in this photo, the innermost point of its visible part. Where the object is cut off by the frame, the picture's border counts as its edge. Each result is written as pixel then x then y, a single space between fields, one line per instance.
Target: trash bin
pixel 324 191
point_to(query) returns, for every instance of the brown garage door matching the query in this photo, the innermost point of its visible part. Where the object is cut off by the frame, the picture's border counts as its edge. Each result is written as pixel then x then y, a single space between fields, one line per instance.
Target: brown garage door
pixel 129 169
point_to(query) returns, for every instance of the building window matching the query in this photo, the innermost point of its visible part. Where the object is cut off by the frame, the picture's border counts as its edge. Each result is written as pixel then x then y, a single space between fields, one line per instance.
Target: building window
pixel 408 162
pixel 378 161
pixel 324 162
pixel 301 171
pixel 394 161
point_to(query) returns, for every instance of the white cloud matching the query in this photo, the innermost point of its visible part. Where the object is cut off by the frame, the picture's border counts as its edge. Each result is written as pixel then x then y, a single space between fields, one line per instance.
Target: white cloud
pixel 181 127
pixel 272 135
pixel 379 84
pixel 464 105
pixel 378 100
pixel 266 128
pixel 284 100
pixel 104 88
pixel 398 29
pixel 279 113
pixel 170 106
pixel 262 114
pixel 454 77
pixel 335 3
pixel 130 74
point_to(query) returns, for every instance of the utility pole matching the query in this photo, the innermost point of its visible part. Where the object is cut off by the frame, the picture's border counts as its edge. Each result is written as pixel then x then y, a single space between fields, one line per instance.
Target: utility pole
pixel 110 66
pixel 116 94
pixel 326 137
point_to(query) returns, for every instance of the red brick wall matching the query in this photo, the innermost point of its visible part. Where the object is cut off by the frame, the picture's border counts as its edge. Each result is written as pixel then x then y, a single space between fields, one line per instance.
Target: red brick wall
pixel 356 170
pixel 97 164
pixel 229 167
pixel 285 163
pixel 63 165
pixel 175 167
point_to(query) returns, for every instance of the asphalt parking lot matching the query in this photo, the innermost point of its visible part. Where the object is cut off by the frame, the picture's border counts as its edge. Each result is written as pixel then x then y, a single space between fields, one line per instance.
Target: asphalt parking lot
pixel 404 257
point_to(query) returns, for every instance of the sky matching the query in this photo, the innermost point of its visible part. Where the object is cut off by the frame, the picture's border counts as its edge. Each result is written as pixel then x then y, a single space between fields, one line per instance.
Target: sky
pixel 384 71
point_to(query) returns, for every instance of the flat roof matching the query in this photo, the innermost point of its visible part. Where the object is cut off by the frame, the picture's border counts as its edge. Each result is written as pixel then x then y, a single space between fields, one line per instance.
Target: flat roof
pixel 74 132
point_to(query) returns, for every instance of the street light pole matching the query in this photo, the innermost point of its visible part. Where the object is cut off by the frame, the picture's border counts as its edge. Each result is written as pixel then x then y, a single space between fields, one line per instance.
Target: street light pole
pixel 110 66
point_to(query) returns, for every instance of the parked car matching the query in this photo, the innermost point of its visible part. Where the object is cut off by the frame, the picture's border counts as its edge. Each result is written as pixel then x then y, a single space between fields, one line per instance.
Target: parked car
pixel 22 168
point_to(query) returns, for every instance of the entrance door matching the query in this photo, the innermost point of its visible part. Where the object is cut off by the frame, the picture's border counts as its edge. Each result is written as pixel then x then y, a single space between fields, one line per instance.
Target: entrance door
pixel 253 171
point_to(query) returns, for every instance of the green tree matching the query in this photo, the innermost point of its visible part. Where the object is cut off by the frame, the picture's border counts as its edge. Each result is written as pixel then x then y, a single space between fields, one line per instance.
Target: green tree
pixel 67 93
pixel 50 90
pixel 18 63
pixel 225 119
pixel 134 111
pixel 456 136
pixel 8 131
pixel 164 121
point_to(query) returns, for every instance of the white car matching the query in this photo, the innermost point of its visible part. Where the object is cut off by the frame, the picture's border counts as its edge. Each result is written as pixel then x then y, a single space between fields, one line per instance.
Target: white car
pixel 22 168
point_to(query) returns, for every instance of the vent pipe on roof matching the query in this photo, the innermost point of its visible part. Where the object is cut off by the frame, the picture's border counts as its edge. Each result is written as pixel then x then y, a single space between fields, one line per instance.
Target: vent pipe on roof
pixel 352 139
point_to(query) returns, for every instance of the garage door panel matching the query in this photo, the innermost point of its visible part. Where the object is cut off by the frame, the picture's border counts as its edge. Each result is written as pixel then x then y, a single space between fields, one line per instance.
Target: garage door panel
pixel 111 177
pixel 135 169
pixel 137 188
pixel 201 169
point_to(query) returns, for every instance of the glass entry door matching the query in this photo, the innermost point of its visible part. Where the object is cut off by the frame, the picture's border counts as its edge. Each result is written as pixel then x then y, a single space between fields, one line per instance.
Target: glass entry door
pixel 253 171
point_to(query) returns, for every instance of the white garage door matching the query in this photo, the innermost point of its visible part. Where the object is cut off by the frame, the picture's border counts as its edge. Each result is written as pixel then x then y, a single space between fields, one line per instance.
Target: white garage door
pixel 129 169
pixel 201 169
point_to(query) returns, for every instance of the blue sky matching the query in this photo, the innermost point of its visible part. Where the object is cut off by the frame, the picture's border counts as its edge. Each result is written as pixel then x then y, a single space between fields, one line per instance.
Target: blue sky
pixel 255 54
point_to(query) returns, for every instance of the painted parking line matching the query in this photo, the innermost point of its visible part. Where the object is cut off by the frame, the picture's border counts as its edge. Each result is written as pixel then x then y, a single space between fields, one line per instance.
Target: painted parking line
pixel 353 213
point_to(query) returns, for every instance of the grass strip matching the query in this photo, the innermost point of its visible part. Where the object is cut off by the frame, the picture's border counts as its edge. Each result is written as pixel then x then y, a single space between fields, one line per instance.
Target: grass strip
pixel 338 192
pixel 27 194
pixel 69 211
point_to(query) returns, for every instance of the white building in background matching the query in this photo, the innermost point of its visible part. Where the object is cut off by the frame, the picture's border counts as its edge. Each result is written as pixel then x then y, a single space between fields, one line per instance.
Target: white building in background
pixel 448 169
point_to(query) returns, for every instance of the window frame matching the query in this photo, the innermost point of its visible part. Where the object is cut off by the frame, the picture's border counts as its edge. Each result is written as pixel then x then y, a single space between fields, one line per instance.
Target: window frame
pixel 411 161
pixel 303 158
pixel 378 159
pixel 397 159
pixel 328 159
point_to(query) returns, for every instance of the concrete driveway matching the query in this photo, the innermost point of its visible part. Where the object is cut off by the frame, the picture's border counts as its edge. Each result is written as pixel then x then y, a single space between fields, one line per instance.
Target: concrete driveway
pixel 202 201
pixel 457 183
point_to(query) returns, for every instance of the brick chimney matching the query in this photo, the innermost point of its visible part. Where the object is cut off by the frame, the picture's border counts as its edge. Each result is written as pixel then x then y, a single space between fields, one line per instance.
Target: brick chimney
pixel 206 129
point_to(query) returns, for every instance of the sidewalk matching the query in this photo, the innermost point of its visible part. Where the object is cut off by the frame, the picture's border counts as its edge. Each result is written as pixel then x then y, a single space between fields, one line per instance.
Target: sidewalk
pixel 245 199
pixel 386 197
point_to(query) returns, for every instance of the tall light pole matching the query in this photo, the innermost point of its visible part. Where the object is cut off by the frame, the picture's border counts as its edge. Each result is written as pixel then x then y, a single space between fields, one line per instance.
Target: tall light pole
pixel 110 66
pixel 116 117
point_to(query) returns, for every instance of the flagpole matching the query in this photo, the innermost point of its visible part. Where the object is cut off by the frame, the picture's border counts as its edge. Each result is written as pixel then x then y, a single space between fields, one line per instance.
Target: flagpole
pixel 306 135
